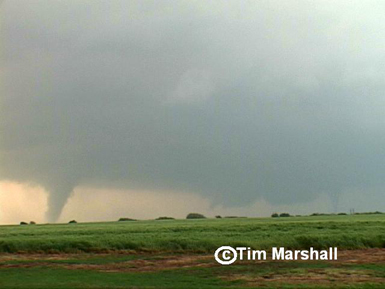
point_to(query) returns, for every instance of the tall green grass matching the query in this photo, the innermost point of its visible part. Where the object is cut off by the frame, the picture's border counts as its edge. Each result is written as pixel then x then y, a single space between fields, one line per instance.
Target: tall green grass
pixel 344 232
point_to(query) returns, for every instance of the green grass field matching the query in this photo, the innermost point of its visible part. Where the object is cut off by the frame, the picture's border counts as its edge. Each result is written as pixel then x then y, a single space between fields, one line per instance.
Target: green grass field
pixel 204 235
pixel 179 253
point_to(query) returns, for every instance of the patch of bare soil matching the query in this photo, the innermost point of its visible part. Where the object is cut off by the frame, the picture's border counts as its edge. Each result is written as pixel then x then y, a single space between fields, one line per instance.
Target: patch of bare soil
pixel 136 265
pixel 338 272
pixel 318 276
pixel 166 263
pixel 367 256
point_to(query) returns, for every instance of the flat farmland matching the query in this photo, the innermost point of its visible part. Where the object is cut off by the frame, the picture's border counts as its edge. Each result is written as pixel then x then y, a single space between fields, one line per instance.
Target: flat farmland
pixel 179 253
pixel 203 235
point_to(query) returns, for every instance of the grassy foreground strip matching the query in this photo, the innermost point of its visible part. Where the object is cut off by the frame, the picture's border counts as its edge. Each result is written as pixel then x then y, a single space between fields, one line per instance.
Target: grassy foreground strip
pixel 344 232
pixel 176 279
pixel 355 269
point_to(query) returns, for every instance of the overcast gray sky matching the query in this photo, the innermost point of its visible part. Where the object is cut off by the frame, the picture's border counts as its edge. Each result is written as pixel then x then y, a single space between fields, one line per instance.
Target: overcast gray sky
pixel 234 101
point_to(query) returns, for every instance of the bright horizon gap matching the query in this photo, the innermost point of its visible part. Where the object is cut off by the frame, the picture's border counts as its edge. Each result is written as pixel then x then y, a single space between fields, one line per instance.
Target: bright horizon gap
pixel 26 203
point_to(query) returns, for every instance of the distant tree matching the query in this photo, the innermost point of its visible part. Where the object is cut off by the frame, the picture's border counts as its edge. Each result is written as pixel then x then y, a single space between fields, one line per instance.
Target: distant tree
pixel 23 223
pixel 218 217
pixel 165 218
pixel 284 215
pixel 275 215
pixel 367 213
pixel 32 223
pixel 126 219
pixel 72 222
pixel 322 214
pixel 341 214
pixel 195 216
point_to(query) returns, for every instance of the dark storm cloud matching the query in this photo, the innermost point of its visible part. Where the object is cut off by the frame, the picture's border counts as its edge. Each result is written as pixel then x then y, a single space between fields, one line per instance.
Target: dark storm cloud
pixel 239 100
